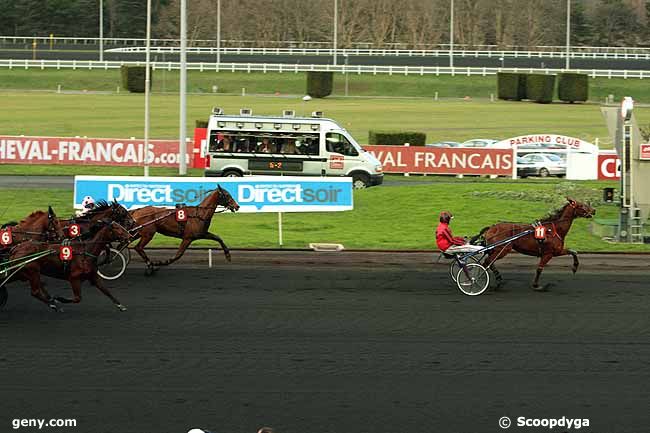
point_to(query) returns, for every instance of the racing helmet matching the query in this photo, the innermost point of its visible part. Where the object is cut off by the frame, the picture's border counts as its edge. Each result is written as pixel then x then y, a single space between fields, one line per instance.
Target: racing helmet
pixel 446 216
pixel 88 202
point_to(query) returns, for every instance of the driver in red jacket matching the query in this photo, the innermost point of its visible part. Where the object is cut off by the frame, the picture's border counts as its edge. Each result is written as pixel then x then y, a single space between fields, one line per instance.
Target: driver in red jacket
pixel 447 242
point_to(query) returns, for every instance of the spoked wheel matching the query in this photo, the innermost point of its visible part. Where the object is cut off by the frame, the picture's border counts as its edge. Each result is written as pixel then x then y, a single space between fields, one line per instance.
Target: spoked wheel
pixel 113 267
pixel 3 296
pixel 473 279
pixel 455 267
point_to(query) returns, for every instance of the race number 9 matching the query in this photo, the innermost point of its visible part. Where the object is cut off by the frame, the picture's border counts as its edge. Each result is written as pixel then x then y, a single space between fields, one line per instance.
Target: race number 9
pixel 74 230
pixel 181 215
pixel 5 237
pixel 540 232
pixel 65 253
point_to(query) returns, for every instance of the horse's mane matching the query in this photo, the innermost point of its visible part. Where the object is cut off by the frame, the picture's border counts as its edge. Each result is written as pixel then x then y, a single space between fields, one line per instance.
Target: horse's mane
pixel 32 216
pixel 555 215
pixel 8 224
pixel 100 205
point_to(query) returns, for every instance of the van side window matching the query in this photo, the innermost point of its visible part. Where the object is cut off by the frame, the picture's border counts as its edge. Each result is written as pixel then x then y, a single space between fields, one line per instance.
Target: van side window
pixel 337 143
pixel 213 144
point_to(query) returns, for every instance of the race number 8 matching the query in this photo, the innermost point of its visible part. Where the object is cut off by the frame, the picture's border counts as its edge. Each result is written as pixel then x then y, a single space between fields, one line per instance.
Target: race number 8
pixel 181 215
pixel 5 237
pixel 65 253
pixel 74 230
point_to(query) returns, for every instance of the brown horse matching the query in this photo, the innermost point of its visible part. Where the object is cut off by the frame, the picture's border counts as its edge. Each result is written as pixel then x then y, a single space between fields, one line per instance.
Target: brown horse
pixel 557 226
pixel 152 220
pixel 81 267
pixel 102 210
pixel 39 225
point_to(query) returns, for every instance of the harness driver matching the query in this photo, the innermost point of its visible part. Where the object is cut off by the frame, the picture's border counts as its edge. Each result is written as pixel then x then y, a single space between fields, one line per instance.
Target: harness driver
pixel 87 204
pixel 446 241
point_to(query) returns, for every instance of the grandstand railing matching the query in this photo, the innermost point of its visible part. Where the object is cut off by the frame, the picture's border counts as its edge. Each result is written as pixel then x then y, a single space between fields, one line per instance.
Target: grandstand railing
pixel 295 68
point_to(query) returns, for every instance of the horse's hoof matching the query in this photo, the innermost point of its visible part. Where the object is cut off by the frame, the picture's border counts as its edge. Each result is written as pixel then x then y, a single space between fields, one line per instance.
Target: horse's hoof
pixel 228 257
pixel 149 270
pixel 120 307
pixel 55 308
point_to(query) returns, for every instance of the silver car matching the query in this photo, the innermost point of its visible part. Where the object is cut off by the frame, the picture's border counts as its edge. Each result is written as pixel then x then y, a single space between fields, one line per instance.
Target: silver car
pixel 543 165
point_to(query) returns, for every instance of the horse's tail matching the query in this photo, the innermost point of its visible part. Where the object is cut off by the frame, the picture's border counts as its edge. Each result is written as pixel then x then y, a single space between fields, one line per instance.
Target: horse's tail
pixel 479 239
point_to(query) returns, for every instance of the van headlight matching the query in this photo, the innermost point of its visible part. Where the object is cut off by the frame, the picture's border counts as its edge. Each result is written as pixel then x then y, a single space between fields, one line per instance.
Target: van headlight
pixel 379 168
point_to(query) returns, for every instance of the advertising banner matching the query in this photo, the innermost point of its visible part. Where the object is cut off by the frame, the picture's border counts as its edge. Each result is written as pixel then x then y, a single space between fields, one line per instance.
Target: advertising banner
pixel 609 166
pixel 253 193
pixel 645 152
pixel 93 151
pixel 443 160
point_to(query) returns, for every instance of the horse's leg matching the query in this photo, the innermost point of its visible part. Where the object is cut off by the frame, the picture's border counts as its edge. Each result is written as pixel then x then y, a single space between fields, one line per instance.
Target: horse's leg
pixel 139 248
pixel 100 285
pixel 217 238
pixel 542 262
pixel 492 257
pixel 574 254
pixel 75 283
pixel 181 250
pixel 38 292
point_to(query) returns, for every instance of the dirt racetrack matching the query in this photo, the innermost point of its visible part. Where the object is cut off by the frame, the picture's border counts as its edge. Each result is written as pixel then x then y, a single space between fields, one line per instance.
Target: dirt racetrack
pixel 334 342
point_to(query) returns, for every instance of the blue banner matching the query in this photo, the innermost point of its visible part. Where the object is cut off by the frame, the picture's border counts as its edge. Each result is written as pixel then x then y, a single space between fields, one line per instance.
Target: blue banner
pixel 253 193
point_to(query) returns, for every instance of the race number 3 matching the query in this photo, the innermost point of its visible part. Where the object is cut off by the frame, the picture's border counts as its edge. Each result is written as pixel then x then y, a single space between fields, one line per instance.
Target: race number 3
pixel 74 230
pixel 540 232
pixel 6 237
pixel 65 253
pixel 181 215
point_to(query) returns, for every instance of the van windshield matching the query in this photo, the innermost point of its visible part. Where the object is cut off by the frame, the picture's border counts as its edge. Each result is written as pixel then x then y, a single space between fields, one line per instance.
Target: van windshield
pixel 285 143
pixel 338 143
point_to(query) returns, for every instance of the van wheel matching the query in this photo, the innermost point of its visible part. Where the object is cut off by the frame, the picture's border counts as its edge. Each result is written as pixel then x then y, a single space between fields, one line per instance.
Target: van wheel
pixel 543 172
pixel 360 180
pixel 231 173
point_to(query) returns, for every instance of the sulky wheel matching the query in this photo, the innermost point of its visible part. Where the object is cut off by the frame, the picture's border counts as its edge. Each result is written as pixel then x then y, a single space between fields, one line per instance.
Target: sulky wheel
pixel 3 296
pixel 454 266
pixel 113 267
pixel 473 279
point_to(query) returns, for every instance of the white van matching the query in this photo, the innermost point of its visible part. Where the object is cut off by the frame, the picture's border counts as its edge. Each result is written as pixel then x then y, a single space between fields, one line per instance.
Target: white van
pixel 287 145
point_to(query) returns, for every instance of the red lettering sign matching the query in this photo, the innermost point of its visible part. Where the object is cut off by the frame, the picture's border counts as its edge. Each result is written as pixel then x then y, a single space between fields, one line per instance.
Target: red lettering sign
pixel 6 237
pixel 98 151
pixel 609 167
pixel 433 160
pixel 645 151
pixel 200 159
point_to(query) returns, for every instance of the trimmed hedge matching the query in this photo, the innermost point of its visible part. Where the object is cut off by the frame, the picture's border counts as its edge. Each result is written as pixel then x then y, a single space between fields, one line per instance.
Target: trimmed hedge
pixel 133 78
pixel 397 138
pixel 573 87
pixel 201 123
pixel 319 84
pixel 511 86
pixel 540 88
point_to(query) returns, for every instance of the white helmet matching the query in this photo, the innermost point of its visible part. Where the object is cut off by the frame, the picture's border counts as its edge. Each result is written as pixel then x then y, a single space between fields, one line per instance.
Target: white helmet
pixel 88 202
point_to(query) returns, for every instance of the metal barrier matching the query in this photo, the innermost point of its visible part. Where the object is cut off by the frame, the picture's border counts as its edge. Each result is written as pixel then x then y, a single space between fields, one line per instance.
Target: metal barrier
pixel 295 68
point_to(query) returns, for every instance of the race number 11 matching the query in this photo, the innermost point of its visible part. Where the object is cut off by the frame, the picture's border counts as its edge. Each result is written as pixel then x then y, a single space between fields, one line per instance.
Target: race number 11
pixel 181 215
pixel 540 232
pixel 65 253
pixel 5 237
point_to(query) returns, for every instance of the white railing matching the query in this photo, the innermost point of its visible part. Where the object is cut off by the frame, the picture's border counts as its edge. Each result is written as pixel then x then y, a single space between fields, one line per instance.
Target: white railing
pixel 295 68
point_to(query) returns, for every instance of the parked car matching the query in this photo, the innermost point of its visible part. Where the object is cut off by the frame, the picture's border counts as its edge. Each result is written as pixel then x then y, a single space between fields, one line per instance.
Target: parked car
pixel 444 144
pixel 484 142
pixel 540 164
pixel 540 146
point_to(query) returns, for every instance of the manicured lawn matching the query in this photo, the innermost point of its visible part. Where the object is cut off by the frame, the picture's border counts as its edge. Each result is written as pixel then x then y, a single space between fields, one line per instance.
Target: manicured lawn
pixel 396 217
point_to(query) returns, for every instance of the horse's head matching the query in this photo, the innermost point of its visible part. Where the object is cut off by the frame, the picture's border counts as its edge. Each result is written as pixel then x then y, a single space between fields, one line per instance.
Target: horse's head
pixel 121 215
pixel 119 233
pixel 583 210
pixel 226 200
pixel 54 229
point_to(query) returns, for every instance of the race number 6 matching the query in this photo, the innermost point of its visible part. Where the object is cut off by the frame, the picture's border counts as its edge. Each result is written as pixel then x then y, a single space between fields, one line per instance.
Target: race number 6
pixel 181 215
pixel 74 230
pixel 65 253
pixel 5 237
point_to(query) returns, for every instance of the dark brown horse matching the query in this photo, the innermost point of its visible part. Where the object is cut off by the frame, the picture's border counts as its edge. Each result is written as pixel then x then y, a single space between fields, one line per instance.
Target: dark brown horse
pixel 557 226
pixel 152 220
pixel 81 267
pixel 39 225
pixel 102 210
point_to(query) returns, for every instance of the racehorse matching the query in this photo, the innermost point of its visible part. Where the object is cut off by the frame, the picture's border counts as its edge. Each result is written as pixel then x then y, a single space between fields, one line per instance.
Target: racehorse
pixel 102 210
pixel 82 265
pixel 557 226
pixel 37 225
pixel 152 220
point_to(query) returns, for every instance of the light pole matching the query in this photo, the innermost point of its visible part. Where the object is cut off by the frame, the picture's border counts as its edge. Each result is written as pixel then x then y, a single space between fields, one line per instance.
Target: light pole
pixel 218 32
pixel 336 25
pixel 567 64
pixel 101 30
pixel 182 143
pixel 451 35
pixel 147 80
